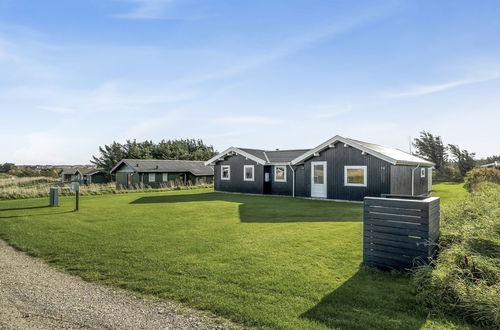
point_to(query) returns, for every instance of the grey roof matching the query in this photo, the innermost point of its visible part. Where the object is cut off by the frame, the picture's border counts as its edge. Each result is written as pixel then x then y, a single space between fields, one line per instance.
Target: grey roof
pixel 197 168
pixel 394 153
pixel 391 155
pixel 70 171
pixel 275 156
pixel 92 171
pixel 493 165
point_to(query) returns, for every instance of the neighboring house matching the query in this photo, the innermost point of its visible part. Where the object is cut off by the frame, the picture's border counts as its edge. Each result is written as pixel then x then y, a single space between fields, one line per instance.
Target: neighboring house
pixel 492 165
pixel 71 175
pixel 155 173
pixel 95 176
pixel 339 168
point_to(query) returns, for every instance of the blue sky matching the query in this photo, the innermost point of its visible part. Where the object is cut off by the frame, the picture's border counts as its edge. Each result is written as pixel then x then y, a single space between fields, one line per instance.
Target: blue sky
pixel 264 74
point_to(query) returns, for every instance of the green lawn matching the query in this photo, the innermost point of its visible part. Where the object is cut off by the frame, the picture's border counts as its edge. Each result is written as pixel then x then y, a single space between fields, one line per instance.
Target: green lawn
pixel 270 262
pixel 449 191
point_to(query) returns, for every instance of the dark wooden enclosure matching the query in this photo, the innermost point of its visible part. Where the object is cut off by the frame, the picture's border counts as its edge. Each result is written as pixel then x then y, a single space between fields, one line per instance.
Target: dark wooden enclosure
pixel 400 232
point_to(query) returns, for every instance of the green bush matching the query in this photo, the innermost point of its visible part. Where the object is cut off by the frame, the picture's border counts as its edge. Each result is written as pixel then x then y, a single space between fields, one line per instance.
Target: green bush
pixel 480 175
pixel 465 277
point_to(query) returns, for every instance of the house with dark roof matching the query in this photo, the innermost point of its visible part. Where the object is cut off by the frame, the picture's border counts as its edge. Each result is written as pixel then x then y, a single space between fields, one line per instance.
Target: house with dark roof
pixel 71 175
pixel 84 175
pixel 156 173
pixel 339 168
pixel 95 176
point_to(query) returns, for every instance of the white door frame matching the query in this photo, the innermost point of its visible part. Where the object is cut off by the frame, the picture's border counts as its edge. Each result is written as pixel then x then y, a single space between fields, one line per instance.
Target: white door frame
pixel 319 190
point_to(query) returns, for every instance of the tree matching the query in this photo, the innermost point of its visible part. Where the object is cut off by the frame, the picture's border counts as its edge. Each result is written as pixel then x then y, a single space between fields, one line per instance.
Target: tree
pixel 431 148
pixel 189 149
pixel 465 160
pixel 109 156
pixel 7 167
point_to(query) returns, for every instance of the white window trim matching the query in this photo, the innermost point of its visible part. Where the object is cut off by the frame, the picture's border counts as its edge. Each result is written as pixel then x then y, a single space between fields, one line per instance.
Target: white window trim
pixel 153 175
pixel 228 172
pixel 422 172
pixel 164 177
pixel 244 172
pixel 351 167
pixel 275 168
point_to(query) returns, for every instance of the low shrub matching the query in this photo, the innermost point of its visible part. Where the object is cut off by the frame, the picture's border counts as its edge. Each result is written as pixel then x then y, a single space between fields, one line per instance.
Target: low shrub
pixel 19 188
pixel 480 175
pixel 465 277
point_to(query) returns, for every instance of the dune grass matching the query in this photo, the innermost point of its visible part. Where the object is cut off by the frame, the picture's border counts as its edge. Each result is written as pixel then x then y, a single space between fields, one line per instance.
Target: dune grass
pixel 263 261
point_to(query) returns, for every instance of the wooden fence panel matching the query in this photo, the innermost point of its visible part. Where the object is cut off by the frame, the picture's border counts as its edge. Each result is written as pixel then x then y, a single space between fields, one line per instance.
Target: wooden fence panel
pixel 399 233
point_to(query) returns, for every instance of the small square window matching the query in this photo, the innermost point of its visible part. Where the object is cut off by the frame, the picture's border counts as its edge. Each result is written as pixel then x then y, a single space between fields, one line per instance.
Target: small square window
pixel 225 172
pixel 280 173
pixel 422 172
pixel 248 172
pixel 355 176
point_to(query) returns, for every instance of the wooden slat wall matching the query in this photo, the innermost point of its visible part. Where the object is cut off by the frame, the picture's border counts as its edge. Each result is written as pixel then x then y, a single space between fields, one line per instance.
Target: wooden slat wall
pixel 399 233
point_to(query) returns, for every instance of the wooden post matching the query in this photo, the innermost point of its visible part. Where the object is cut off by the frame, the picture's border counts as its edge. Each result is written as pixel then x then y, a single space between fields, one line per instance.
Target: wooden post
pixel 75 186
pixel 77 204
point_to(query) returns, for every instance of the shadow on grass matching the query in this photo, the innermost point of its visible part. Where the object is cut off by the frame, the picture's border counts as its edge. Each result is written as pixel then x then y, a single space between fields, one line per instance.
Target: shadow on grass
pixel 30 215
pixel 270 209
pixel 24 208
pixel 370 299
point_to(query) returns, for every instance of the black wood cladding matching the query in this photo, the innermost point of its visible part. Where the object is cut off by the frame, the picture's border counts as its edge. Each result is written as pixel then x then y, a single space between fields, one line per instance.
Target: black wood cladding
pixel 399 233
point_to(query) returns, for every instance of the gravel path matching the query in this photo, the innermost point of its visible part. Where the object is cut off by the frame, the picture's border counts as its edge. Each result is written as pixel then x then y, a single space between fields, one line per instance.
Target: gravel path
pixel 35 296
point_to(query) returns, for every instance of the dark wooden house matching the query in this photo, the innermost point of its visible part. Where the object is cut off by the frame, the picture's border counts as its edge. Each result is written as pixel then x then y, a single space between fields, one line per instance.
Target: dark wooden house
pixel 340 168
pixel 157 173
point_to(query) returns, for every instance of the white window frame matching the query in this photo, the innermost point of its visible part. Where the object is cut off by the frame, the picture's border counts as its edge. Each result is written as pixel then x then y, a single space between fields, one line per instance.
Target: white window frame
pixel 365 177
pixel 151 175
pixel 164 177
pixel 275 177
pixel 422 172
pixel 228 172
pixel 245 172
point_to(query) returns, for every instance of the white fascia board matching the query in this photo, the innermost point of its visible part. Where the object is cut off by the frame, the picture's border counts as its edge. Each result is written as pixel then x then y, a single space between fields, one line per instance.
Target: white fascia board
pixel 118 165
pixel 238 151
pixel 338 138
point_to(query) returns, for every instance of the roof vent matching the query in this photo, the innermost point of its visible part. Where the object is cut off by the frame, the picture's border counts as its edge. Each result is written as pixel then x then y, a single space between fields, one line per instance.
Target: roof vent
pixel 156 166
pixel 136 165
pixel 277 149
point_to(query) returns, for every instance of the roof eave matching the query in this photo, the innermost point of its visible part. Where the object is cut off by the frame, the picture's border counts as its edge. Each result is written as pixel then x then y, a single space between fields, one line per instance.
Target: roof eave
pixel 338 138
pixel 217 157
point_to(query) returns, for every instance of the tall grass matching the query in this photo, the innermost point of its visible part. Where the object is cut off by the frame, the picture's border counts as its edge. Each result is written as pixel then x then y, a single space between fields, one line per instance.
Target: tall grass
pixel 465 278
pixel 19 188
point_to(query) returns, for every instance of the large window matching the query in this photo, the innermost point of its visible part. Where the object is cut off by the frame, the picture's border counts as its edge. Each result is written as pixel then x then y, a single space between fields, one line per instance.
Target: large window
pixel 225 172
pixel 151 177
pixel 164 177
pixel 248 172
pixel 355 176
pixel 318 173
pixel 280 173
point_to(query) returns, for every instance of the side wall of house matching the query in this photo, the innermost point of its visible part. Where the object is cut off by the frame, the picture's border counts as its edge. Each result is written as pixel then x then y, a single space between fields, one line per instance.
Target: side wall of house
pixel 401 180
pixel 282 188
pixel 236 182
pixel 378 174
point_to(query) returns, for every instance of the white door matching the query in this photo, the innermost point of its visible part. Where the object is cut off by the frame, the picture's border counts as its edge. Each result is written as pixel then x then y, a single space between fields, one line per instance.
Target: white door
pixel 318 179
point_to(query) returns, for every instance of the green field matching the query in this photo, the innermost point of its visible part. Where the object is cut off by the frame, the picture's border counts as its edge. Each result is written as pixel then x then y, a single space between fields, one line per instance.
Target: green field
pixel 265 261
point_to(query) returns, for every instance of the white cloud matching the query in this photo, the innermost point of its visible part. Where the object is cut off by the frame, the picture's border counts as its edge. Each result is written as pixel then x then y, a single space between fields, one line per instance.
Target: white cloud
pixel 147 9
pixel 329 111
pixel 430 89
pixel 246 120
pixel 41 148
pixel 58 110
